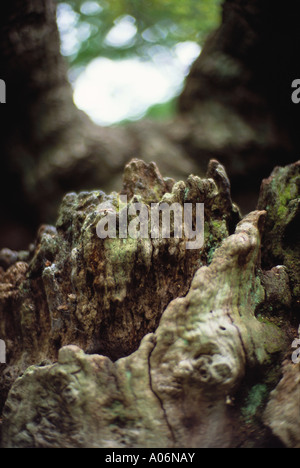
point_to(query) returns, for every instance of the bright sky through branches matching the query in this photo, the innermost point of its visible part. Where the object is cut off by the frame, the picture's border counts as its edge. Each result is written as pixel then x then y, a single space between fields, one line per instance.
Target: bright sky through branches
pixel 110 91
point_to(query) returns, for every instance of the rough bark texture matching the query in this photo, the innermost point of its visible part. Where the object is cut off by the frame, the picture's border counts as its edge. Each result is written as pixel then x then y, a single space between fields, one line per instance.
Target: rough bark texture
pixel 280 196
pixel 236 107
pixel 203 375
pixel 282 413
pixel 105 295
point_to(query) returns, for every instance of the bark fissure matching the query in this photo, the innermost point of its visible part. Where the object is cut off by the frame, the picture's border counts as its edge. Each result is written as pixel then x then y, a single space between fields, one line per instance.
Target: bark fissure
pixel 159 399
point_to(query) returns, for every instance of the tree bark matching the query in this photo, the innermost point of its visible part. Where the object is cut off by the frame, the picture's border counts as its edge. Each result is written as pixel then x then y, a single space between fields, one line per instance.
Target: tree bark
pixel 191 342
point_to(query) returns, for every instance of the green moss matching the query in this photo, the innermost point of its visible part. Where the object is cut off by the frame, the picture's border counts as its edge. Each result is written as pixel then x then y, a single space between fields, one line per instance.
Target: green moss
pixel 286 195
pixel 282 211
pixel 119 204
pixel 210 255
pixel 121 250
pixel 260 318
pixel 217 225
pixel 215 231
pixel 258 292
pixel 254 401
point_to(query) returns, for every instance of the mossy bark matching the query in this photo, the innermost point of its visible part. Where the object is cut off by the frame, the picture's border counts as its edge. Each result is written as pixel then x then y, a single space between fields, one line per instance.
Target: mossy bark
pixel 178 348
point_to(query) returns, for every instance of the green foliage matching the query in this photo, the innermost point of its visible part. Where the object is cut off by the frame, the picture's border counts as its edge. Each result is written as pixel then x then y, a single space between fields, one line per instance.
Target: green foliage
pixel 164 110
pixel 161 112
pixel 158 23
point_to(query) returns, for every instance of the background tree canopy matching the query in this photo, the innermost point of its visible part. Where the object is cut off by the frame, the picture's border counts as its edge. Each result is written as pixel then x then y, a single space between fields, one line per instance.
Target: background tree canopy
pixel 146 24
pixel 160 36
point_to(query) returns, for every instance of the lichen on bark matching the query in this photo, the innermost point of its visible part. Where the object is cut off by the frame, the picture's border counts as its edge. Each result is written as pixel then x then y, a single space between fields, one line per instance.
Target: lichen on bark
pixel 183 334
pixel 105 295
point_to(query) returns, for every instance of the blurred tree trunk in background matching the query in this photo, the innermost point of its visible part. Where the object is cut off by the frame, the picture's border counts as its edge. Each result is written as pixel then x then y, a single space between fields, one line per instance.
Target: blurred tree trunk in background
pixel 236 107
pixel 239 92
pixel 47 146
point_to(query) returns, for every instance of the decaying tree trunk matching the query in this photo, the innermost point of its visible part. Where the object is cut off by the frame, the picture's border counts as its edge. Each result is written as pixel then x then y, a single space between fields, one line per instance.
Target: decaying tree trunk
pixel 236 107
pixel 191 342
